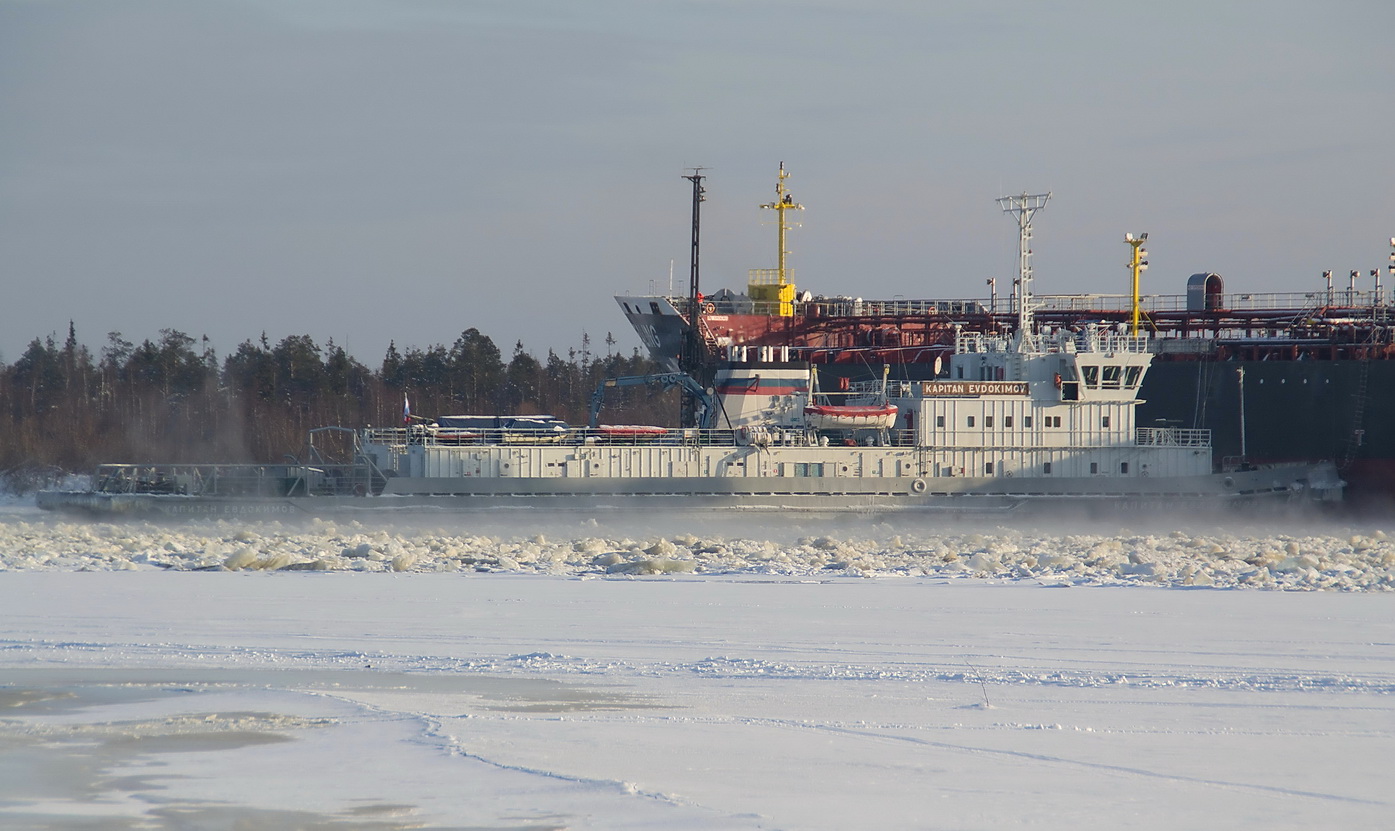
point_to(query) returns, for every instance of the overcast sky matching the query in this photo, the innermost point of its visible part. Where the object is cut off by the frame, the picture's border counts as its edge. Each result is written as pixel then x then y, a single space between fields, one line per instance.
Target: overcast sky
pixel 368 171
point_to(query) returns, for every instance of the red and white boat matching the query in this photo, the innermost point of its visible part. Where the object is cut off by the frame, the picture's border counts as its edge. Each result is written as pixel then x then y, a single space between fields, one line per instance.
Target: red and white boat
pixel 849 417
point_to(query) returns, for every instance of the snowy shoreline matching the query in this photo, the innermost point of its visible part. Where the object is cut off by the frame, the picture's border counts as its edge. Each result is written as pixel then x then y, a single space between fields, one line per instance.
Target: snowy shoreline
pixel 528 672
pixel 523 701
pixel 1303 557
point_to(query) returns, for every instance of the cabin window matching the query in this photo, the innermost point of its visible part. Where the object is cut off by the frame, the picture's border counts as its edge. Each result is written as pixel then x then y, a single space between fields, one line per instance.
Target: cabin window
pixel 988 421
pixel 1123 467
pixel 1007 422
pixel 1131 376
pixel 1046 468
pixel 1094 467
pixel 808 468
pixel 1026 422
pixel 987 468
pixel 1053 421
pixel 1104 421
pixel 653 305
pixel 971 421
pixel 1111 377
pixel 1092 376
pixel 939 421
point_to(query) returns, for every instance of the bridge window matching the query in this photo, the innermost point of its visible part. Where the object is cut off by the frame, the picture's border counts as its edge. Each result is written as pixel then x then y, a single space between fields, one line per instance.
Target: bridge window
pixel 1131 376
pixel 1092 376
pixel 654 306
pixel 1111 377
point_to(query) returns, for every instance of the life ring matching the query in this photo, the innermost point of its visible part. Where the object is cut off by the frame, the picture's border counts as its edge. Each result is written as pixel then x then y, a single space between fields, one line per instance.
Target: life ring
pixel 709 308
pixel 917 486
pixel 1057 380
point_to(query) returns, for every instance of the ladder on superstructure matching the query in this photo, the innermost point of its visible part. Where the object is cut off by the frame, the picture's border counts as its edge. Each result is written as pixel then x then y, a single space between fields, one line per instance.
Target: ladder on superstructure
pixel 1358 417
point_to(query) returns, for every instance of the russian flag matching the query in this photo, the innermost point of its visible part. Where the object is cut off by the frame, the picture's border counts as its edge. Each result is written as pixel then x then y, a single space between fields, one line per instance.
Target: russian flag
pixel 406 410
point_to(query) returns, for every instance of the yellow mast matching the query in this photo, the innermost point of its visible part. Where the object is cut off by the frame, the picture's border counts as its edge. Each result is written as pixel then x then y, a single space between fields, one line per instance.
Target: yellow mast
pixel 777 285
pixel 1137 265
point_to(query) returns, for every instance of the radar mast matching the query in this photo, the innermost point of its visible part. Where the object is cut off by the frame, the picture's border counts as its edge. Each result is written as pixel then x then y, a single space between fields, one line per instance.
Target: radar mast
pixel 1023 208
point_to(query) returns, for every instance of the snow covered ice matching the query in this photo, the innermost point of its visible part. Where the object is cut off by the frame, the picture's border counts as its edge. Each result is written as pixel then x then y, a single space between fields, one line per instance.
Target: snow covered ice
pixel 517 673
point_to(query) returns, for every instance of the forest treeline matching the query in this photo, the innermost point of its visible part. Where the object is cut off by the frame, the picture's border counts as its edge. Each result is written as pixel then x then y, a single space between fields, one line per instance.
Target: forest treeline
pixel 174 400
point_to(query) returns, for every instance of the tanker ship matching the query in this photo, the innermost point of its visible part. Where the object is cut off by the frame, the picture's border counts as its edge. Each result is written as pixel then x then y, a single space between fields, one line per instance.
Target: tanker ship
pixel 1276 378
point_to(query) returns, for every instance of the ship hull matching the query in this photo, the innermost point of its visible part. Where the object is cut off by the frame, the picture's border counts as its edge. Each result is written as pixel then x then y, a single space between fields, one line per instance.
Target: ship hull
pixel 1287 486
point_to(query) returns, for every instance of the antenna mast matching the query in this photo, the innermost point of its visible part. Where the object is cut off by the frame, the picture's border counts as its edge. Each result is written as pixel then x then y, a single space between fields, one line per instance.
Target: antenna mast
pixel 1024 207
pixel 692 357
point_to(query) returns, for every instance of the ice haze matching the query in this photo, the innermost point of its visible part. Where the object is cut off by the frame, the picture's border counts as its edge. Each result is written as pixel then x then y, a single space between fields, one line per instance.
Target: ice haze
pixel 371 171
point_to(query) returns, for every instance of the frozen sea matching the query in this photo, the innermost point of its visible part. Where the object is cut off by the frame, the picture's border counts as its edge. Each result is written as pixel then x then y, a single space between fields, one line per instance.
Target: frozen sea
pixel 696 672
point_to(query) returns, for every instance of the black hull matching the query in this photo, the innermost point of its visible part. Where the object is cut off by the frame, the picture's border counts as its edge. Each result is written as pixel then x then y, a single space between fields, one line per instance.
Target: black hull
pixel 1338 410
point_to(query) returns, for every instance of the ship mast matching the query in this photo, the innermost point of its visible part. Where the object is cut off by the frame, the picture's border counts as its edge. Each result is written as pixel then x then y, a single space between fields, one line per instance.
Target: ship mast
pixel 777 285
pixel 1136 266
pixel 692 358
pixel 1023 208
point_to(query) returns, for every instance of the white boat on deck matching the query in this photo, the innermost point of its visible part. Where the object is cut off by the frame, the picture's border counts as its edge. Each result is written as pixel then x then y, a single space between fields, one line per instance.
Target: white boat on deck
pixel 850 416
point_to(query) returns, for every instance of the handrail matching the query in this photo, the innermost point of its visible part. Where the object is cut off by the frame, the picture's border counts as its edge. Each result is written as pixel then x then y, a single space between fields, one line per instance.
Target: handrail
pixel 1172 437
pixel 1367 300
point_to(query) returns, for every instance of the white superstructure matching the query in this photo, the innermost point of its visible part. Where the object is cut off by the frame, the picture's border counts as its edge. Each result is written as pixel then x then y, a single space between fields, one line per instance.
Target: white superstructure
pixel 1046 417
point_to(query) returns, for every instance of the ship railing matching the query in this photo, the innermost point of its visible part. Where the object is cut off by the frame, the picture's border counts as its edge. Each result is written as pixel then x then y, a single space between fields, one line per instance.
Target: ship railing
pixel 1110 342
pixel 1149 303
pixel 242 480
pixel 1172 437
pixel 768 276
pixel 857 307
pixel 972 342
pixel 401 438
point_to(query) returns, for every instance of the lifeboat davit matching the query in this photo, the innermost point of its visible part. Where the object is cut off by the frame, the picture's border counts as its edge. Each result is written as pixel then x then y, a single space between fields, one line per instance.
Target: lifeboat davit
pixel 847 417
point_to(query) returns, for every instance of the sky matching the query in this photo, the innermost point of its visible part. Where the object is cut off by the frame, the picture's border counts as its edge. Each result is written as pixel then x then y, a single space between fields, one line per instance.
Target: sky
pixel 369 171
